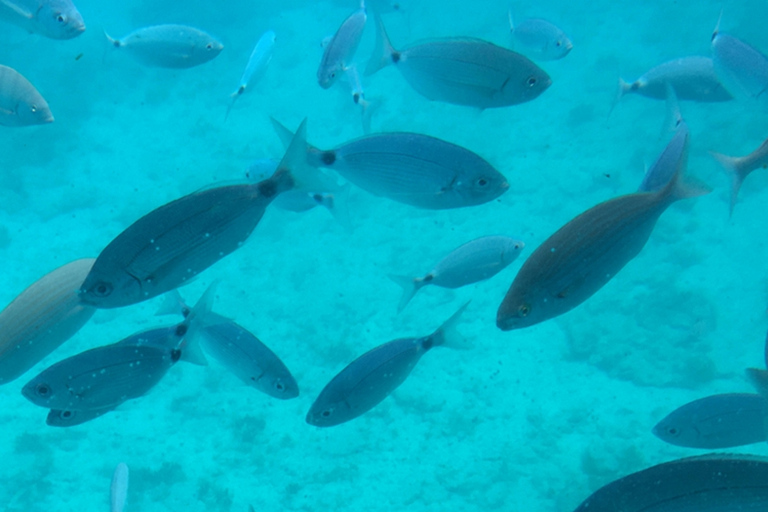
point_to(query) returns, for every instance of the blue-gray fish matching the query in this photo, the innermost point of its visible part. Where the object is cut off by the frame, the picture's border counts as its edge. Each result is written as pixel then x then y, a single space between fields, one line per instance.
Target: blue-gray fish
pixel 372 377
pixel 20 103
pixel 540 39
pixel 739 167
pixel 256 67
pixel 64 419
pixel 169 46
pixel 411 168
pixel 464 71
pixel 340 50
pixel 742 68
pixel 709 483
pixel 172 244
pixel 41 318
pixel 57 19
pixel 663 169
pixel 717 421
pixel 586 253
pixel 118 490
pixel 474 261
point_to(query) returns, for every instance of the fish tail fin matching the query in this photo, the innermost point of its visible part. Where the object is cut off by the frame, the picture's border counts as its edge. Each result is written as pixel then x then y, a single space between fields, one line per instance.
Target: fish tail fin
pixel 621 90
pixel 339 207
pixel 383 51
pixel 759 380
pixel 198 317
pixel 231 104
pixel 736 172
pixel 447 335
pixel 173 304
pixel 410 286
pixel 294 163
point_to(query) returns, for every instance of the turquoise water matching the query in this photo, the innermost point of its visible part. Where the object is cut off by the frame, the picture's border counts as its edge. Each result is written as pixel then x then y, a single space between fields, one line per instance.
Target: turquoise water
pixel 530 420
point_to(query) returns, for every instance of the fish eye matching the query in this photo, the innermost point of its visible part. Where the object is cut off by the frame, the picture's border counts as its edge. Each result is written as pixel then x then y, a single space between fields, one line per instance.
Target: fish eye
pixel 326 413
pixel 42 390
pixel 673 431
pixel 559 43
pixel 531 81
pixel 33 108
pixel 524 309
pixel 65 415
pixel 102 289
pixel 279 386
pixel 482 182
pixel 61 18
pixel 209 46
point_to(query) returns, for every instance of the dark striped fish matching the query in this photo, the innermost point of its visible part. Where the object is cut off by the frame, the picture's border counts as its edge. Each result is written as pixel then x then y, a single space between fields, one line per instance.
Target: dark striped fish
pixel 709 483
pixel 586 253
pixel 174 243
pixel 465 71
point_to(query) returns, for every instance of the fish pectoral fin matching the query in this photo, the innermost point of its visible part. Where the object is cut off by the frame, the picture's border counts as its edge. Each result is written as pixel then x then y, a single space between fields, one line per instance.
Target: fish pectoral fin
pixel 17 9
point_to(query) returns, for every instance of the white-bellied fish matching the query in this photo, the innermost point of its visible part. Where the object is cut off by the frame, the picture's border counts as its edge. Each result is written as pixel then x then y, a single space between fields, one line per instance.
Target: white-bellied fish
pixel 739 167
pixel 464 71
pixel 742 68
pixel 56 19
pixel 587 252
pixel 172 244
pixel 411 168
pixel 717 421
pixel 20 103
pixel 663 169
pixel 471 262
pixel 41 318
pixel 340 50
pixel 540 39
pixel 256 67
pixel 372 377
pixel 118 490
pixel 169 46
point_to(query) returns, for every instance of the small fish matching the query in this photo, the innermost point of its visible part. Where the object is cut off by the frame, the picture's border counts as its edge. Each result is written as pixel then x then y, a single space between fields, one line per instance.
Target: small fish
pixel 739 167
pixel 411 168
pixel 586 253
pixel 468 72
pixel 41 318
pixel 169 46
pixel 540 39
pixel 56 19
pixel 692 78
pixel 709 483
pixel 474 261
pixel 172 244
pixel 340 50
pixel 717 421
pixel 372 377
pixel 358 97
pixel 65 419
pixel 256 67
pixel 663 169
pixel 20 103
pixel 118 490
pixel 742 68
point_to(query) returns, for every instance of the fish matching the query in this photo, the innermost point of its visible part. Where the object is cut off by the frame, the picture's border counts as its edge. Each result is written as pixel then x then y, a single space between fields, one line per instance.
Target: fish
pixel 373 376
pixel 55 19
pixel 739 167
pixel 65 418
pixel 175 242
pixel 103 378
pixel 358 97
pixel 411 168
pixel 340 50
pixel 260 58
pixel 587 252
pixel 741 67
pixel 477 260
pixel 717 421
pixel 41 318
pixel 20 103
pixel 462 71
pixel 673 156
pixel 540 39
pixel 169 46
pixel 118 490
pixel 240 352
pixel 692 78
pixel 708 483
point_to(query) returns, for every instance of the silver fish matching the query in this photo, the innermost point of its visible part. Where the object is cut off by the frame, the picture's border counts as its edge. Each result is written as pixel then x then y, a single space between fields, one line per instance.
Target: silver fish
pixel 717 421
pixel 41 318
pixel 169 46
pixel 372 377
pixel 411 168
pixel 465 71
pixel 665 166
pixel 20 103
pixel 340 50
pixel 118 490
pixel 586 253
pixel 474 261
pixel 739 167
pixel 540 39
pixel 256 67
pixel 742 68
pixel 172 244
pixel 56 19
pixel 709 483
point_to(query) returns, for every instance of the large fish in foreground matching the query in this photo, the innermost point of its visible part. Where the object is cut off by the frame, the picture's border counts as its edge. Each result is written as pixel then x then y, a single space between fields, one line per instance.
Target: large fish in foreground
pixel 174 243
pixel 57 19
pixel 586 253
pixel 20 103
pixel 411 168
pixel 465 71
pixel 709 483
